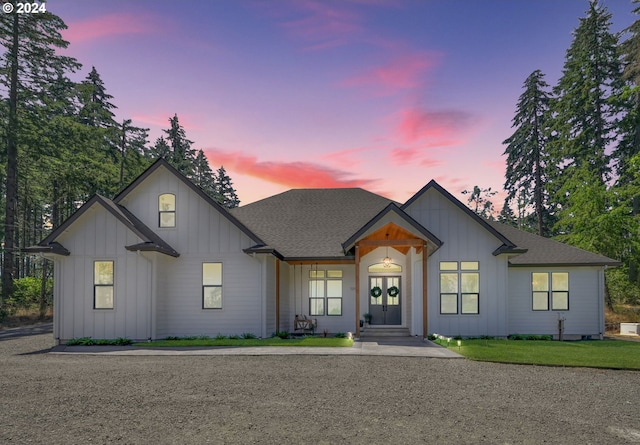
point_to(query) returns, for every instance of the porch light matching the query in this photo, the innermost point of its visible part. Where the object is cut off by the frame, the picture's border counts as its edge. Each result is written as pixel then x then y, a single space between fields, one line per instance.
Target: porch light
pixel 386 261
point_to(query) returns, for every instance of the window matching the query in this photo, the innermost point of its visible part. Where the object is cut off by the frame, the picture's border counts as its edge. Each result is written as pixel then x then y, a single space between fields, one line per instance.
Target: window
pixel 550 289
pixel 167 210
pixel 325 292
pixel 459 287
pixel 103 284
pixel 212 285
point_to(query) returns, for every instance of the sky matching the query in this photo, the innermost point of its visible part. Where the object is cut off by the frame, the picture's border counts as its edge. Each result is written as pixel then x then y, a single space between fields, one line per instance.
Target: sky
pixel 380 94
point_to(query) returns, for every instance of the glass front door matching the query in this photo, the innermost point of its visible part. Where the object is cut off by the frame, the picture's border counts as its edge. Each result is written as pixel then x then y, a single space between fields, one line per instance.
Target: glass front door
pixel 384 300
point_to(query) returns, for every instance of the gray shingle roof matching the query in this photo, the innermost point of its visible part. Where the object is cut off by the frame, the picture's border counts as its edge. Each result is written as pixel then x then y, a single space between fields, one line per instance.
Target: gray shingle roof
pixel 544 251
pixel 311 223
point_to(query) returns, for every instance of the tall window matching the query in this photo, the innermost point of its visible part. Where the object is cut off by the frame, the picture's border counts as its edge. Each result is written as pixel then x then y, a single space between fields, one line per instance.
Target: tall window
pixel 212 285
pixel 550 289
pixel 167 210
pixel 103 284
pixel 459 287
pixel 325 292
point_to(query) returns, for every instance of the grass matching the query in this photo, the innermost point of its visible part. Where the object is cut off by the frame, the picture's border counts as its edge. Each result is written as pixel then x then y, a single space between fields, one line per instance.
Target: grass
pixel 611 354
pixel 329 342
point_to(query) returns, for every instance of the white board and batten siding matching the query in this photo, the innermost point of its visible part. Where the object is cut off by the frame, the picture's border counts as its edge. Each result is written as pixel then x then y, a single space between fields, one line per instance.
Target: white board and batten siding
pixel 201 234
pixel 294 298
pixel 585 316
pixel 98 235
pixel 464 239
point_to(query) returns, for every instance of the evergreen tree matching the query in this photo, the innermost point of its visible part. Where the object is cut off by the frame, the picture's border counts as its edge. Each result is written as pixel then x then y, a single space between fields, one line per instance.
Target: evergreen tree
pixel 30 60
pixel 132 149
pixel 182 156
pixel 224 192
pixel 160 149
pixel 584 112
pixel 95 109
pixel 480 201
pixel 527 147
pixel 203 175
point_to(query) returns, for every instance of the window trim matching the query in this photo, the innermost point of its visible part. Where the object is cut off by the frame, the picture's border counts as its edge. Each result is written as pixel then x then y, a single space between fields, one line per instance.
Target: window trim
pixel 318 276
pixel 212 286
pixel 550 292
pixel 103 285
pixel 163 212
pixel 462 267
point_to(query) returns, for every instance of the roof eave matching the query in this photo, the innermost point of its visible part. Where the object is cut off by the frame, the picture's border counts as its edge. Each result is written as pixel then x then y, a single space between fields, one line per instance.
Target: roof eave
pixel 55 248
pixel 152 247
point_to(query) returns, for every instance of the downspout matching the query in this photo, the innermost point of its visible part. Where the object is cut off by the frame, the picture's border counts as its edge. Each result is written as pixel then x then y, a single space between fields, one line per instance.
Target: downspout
pixel 264 292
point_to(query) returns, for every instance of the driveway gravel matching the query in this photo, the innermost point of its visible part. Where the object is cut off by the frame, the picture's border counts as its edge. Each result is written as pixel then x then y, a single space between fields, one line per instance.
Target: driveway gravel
pixel 78 399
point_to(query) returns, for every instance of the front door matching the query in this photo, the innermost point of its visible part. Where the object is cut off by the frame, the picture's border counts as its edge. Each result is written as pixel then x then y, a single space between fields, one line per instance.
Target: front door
pixel 384 300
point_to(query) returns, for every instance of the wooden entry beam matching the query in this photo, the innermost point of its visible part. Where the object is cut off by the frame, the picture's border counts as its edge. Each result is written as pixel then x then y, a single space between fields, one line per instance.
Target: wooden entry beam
pixel 391 242
pixel 425 309
pixel 357 291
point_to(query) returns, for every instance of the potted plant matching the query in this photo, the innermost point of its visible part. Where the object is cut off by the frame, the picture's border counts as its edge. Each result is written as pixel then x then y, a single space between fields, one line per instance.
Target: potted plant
pixel 367 318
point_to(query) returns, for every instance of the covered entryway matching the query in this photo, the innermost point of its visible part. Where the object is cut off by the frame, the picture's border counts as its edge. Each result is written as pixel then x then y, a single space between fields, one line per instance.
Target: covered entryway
pixel 385 301
pixel 392 233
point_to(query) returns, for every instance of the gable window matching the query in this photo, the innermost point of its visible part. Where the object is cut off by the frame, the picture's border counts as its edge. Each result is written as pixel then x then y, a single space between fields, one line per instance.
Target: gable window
pixel 459 287
pixel 325 292
pixel 550 290
pixel 103 284
pixel 167 210
pixel 212 285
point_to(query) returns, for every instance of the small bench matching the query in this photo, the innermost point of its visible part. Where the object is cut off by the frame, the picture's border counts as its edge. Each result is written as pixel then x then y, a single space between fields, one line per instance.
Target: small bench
pixel 301 322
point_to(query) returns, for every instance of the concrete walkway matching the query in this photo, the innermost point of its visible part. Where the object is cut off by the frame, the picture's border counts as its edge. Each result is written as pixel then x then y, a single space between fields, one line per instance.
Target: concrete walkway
pixel 388 346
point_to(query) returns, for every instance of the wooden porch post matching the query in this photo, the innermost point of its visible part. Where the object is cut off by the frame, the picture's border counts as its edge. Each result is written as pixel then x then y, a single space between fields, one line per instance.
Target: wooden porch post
pixel 357 290
pixel 277 294
pixel 425 312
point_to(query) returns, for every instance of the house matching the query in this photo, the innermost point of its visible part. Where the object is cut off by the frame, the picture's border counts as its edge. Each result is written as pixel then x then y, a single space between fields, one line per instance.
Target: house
pixel 164 259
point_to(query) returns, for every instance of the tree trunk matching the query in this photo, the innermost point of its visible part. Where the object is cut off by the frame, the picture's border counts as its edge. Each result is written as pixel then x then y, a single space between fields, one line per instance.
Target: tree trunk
pixel 8 265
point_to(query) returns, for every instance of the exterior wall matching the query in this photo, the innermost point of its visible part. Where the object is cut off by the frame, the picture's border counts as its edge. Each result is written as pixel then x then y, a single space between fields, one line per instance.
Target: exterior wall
pixel 464 239
pixel 270 294
pixel 294 298
pixel 586 299
pixel 98 235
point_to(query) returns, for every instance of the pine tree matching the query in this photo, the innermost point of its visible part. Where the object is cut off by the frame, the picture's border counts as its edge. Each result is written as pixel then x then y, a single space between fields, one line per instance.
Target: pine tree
pixel 224 192
pixel 527 147
pixel 480 201
pixel 585 116
pixel 203 176
pixel 132 149
pixel 30 42
pixel 182 156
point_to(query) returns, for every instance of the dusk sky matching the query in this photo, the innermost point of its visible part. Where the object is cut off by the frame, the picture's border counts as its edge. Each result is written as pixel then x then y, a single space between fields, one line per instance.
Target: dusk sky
pixel 383 95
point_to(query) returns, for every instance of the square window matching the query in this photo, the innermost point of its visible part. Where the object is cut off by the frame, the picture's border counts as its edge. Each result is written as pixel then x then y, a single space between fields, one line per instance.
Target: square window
pixel 448 303
pixel 469 265
pixel 103 297
pixel 540 301
pixel 316 306
pixel 470 304
pixel 334 306
pixel 560 301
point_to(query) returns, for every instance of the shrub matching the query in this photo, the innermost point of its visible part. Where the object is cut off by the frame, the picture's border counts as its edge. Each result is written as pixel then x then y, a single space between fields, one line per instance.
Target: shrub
pixel 432 337
pixel 220 337
pixel 234 337
pixel 88 341
pixel 249 336
pixel 340 335
pixel 282 334
pixel 26 294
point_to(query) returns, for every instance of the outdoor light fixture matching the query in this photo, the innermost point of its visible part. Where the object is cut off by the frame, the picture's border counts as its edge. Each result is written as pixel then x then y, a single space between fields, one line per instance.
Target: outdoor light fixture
pixel 386 261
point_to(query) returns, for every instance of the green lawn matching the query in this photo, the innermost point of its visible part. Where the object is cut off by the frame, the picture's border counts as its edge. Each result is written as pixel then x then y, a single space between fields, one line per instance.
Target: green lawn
pixel 274 341
pixel 616 354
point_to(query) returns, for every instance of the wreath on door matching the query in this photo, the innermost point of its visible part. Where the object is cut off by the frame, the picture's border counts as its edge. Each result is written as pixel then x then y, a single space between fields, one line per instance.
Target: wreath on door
pixel 376 291
pixel 393 291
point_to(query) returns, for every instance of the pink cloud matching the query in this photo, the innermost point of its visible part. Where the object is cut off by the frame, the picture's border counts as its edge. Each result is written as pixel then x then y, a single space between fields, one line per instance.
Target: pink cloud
pixel 438 127
pixel 347 156
pixel 406 71
pixel 290 174
pixel 412 155
pixel 106 26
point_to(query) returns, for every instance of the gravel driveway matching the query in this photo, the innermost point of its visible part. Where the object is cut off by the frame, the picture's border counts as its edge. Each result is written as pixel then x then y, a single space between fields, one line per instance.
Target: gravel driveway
pixel 80 399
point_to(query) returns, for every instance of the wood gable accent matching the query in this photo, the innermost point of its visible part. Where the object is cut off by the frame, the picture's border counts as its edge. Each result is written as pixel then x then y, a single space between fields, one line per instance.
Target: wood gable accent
pixel 393 236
